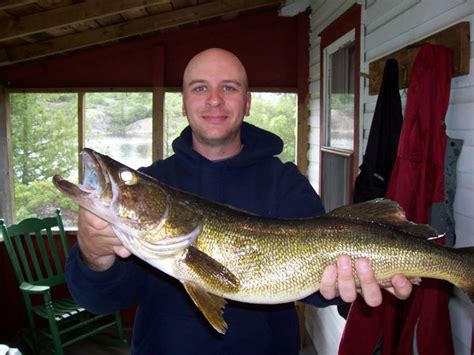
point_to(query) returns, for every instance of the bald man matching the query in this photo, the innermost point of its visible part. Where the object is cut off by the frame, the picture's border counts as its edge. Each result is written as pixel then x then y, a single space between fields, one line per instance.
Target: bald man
pixel 223 159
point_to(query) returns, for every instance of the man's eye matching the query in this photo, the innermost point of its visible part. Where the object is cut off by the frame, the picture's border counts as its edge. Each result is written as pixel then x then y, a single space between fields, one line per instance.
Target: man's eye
pixel 229 88
pixel 199 89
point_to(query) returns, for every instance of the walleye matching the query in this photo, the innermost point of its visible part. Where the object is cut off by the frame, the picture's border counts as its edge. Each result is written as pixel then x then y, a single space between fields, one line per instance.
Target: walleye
pixel 219 252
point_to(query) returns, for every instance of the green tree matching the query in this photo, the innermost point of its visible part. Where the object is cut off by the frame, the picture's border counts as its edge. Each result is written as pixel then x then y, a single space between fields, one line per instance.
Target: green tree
pixel 44 136
pixel 276 112
pixel 44 140
pixel 123 107
pixel 175 122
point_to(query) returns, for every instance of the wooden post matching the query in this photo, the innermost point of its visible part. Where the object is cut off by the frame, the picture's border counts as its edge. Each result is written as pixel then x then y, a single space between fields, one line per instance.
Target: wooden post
pixel 158 79
pixel 302 135
pixel 7 202
pixel 158 122
pixel 81 110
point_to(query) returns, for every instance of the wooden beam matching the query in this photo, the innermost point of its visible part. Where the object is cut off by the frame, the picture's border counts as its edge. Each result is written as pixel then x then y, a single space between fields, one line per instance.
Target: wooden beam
pixel 130 28
pixel 7 202
pixel 8 4
pixel 67 15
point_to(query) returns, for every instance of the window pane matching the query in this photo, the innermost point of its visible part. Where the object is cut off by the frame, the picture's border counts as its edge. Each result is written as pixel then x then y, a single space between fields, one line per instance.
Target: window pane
pixel 341 89
pixel 275 112
pixel 120 125
pixel 44 140
pixel 175 122
pixel 335 169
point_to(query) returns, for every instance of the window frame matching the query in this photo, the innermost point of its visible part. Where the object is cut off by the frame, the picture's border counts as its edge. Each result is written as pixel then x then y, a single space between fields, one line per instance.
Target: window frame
pixel 7 204
pixel 347 22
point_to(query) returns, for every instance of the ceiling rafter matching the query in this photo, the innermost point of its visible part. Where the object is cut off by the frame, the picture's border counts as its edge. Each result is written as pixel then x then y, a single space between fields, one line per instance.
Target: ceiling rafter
pixel 8 4
pixel 130 28
pixel 68 15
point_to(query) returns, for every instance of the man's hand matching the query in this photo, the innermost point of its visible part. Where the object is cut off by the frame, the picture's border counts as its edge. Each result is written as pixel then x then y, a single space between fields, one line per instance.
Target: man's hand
pixel 97 241
pixel 338 280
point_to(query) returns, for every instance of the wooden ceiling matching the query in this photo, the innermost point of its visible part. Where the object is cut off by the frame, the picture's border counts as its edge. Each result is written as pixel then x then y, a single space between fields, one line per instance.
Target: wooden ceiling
pixel 32 29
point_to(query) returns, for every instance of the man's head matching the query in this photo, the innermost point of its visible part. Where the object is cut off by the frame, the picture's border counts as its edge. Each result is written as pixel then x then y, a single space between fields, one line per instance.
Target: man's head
pixel 215 101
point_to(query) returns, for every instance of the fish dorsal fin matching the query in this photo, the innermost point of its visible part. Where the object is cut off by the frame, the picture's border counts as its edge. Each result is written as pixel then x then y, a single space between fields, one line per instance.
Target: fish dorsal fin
pixel 210 305
pixel 384 212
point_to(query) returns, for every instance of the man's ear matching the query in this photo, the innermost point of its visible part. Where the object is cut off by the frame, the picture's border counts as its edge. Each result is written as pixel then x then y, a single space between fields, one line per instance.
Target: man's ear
pixel 183 110
pixel 248 104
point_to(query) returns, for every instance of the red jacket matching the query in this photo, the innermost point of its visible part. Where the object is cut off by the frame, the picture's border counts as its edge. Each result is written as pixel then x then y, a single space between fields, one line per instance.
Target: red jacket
pixel 417 181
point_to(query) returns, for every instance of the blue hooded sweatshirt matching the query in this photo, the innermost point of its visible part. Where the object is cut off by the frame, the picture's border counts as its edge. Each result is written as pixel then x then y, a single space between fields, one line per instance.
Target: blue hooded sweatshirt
pixel 167 321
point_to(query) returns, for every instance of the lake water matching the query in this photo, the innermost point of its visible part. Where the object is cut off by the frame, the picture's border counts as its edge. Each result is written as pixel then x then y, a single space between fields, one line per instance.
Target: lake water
pixel 134 150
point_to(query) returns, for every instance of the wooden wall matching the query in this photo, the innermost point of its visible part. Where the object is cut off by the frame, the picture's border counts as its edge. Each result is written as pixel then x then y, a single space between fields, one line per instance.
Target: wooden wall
pixel 267 44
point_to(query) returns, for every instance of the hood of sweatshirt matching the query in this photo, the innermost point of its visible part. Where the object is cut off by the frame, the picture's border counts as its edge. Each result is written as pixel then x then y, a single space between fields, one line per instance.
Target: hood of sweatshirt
pixel 257 144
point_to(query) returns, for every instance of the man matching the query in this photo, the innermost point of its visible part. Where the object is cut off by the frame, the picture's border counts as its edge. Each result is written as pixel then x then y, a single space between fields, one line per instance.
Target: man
pixel 225 160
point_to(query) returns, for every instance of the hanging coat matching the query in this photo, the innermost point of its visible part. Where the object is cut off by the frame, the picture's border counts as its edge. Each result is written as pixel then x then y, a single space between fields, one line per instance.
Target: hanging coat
pixel 417 181
pixel 382 145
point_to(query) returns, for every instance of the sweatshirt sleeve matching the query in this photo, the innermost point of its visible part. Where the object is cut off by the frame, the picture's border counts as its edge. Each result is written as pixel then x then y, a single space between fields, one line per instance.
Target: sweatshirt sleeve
pixel 296 197
pixel 102 292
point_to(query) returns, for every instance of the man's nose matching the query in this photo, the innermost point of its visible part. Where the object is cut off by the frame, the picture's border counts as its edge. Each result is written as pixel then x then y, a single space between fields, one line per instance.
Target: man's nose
pixel 214 97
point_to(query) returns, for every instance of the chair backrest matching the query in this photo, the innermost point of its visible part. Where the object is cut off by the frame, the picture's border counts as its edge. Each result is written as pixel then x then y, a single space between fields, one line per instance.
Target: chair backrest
pixel 34 251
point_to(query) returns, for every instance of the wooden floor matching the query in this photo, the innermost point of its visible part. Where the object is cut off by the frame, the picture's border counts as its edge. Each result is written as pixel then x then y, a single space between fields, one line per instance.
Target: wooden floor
pixel 91 348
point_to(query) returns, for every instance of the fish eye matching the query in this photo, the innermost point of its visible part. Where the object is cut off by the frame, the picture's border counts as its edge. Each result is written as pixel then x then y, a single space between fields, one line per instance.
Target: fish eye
pixel 128 177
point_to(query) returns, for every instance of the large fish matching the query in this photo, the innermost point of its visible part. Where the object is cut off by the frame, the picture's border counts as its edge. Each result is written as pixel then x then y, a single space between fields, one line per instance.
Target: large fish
pixel 219 252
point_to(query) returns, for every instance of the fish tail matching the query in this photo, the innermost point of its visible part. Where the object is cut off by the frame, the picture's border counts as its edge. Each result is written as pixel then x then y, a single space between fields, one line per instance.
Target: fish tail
pixel 467 281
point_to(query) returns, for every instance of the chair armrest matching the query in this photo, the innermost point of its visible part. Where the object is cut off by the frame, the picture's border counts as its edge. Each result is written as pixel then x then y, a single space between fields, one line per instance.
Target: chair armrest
pixel 33 289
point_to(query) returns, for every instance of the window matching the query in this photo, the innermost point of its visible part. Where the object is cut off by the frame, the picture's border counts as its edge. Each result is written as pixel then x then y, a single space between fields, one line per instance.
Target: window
pixel 44 142
pixel 174 123
pixel 45 137
pixel 339 120
pixel 277 113
pixel 119 124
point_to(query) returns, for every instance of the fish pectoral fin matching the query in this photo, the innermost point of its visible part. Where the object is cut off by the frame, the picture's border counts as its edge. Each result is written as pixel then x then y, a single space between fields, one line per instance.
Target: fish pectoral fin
pixel 211 306
pixel 200 266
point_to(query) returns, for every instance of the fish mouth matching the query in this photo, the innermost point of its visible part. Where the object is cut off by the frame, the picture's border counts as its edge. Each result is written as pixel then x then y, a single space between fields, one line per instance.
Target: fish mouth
pixel 95 180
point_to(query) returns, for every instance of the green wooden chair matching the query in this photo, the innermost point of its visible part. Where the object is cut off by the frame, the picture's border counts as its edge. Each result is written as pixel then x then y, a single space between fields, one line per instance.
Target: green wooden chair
pixel 36 256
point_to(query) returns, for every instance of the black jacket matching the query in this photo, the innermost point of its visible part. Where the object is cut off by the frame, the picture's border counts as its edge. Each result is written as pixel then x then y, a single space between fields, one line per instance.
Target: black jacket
pixel 382 146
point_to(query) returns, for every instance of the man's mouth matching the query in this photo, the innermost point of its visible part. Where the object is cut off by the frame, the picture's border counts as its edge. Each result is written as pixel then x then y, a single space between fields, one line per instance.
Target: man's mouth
pixel 214 118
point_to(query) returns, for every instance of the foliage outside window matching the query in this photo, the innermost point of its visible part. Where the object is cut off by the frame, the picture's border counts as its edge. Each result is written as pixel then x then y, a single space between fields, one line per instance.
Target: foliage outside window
pixel 175 122
pixel 119 124
pixel 277 113
pixel 44 141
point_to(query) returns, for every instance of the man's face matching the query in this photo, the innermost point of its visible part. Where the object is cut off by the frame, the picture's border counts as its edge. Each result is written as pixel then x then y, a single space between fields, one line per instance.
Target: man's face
pixel 215 98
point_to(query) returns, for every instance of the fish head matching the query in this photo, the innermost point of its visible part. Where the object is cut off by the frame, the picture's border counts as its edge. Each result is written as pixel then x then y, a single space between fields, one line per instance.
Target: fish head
pixel 124 197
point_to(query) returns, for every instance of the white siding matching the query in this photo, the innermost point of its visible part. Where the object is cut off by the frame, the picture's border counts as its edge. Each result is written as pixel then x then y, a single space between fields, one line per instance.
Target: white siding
pixel 389 26
pixel 420 20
